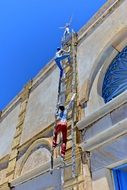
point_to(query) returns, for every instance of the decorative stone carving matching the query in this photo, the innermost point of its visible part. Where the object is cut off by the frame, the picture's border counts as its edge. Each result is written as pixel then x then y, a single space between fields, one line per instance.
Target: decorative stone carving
pixel 37 158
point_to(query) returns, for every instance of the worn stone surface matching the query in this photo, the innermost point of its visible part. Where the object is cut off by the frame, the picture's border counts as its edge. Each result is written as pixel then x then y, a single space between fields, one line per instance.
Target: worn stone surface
pixel 110 153
pixel 36 159
pixel 7 131
pixel 44 182
pixel 3 174
pixel 98 126
pixel 90 50
pixel 101 180
pixel 94 51
pixel 5 186
pixel 95 99
pixel 119 114
pixel 41 106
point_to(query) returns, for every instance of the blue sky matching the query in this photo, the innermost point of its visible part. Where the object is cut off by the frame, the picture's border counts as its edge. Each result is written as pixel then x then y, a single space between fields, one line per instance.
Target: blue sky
pixel 30 34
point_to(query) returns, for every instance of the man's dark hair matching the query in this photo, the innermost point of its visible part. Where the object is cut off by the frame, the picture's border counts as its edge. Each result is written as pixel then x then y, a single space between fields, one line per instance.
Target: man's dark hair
pixel 58 48
pixel 61 107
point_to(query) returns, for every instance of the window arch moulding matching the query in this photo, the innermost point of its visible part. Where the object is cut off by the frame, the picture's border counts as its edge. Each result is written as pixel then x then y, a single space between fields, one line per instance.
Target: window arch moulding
pixel 115 79
pixel 115 45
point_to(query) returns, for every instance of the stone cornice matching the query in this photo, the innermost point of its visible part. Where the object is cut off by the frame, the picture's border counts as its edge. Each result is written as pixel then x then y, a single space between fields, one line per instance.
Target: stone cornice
pixel 105 136
pixel 107 108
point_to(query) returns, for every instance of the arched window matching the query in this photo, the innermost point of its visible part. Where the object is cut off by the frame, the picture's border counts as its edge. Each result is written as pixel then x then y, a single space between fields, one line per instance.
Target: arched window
pixel 115 80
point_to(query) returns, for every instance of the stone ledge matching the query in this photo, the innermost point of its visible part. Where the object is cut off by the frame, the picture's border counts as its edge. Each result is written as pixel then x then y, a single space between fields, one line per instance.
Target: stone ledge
pixel 105 136
pixel 106 109
pixel 35 172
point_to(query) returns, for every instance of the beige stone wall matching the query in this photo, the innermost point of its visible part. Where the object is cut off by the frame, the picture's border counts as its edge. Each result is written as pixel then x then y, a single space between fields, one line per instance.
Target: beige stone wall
pixel 102 180
pixel 7 131
pixel 95 48
pixel 37 154
pixel 41 106
pixel 36 159
pixel 95 53
pixel 96 101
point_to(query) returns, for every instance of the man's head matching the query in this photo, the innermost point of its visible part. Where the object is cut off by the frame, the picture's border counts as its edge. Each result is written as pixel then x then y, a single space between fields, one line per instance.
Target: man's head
pixel 61 107
pixel 58 49
pixel 67 25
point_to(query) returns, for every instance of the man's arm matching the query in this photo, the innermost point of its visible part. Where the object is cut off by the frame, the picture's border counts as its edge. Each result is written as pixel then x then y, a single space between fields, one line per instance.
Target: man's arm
pixel 71 102
pixel 66 51
pixel 57 112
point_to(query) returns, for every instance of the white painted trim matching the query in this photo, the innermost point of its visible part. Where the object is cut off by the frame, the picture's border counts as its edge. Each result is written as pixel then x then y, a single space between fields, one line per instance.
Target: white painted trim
pixel 107 108
pixel 116 164
pixel 105 136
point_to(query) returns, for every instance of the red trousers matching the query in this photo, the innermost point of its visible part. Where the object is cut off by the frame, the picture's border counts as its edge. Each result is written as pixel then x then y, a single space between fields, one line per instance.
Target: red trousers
pixel 61 127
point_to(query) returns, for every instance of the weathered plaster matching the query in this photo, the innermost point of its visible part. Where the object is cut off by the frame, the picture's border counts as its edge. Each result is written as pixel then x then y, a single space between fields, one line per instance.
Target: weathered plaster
pixel 90 57
pixel 7 131
pixel 102 180
pixel 41 106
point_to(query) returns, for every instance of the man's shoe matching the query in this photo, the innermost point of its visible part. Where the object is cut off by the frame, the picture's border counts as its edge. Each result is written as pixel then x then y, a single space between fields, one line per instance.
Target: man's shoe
pixel 54 145
pixel 62 156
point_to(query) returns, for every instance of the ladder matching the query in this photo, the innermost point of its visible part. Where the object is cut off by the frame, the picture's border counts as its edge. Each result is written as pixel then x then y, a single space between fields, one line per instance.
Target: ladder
pixel 58 99
pixel 67 87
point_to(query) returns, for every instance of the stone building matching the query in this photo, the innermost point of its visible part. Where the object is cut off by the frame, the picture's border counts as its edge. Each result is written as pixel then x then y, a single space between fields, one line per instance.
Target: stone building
pixel 101 140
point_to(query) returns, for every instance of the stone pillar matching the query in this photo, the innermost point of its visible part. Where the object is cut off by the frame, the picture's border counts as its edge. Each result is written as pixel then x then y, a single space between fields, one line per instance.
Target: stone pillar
pixel 19 128
pixel 86 171
pixel 5 186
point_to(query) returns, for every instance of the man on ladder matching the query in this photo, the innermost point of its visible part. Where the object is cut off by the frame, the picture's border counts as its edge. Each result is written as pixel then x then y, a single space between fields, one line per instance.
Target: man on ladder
pixel 66 32
pixel 60 56
pixel 61 126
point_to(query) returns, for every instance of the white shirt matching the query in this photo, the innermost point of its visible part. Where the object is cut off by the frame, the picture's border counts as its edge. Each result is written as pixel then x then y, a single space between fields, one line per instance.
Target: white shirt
pixel 67 30
pixel 58 53
pixel 62 116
